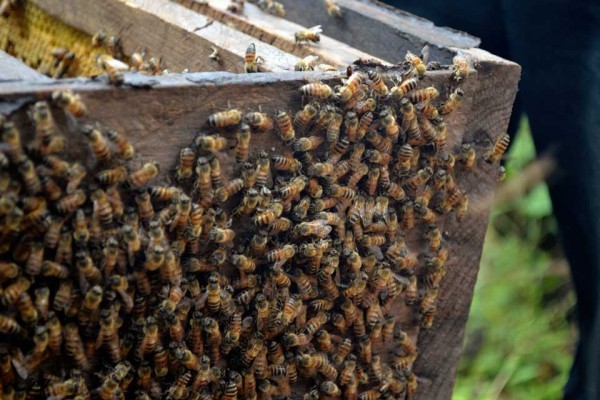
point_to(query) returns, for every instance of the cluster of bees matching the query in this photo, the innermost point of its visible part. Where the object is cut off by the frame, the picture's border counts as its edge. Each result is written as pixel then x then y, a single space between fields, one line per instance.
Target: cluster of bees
pixel 290 274
pixel 278 9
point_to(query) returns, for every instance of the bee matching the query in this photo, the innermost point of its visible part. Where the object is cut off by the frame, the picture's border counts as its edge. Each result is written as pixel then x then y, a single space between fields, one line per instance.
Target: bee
pixel 98 143
pixel 12 140
pixel 333 9
pixel 220 119
pixel 420 178
pixel 126 150
pixel 70 102
pixel 185 169
pixel 460 68
pixel 351 87
pixel 498 150
pixel 303 118
pixel 284 253
pixel 461 207
pixel 74 346
pixel 418 66
pixel 365 106
pixel 318 90
pixel 379 86
pixel 218 235
pixel 467 156
pixel 309 35
pixel 251 60
pixel 410 123
pixel 422 95
pixel 114 68
pixel 29 176
pixel 10 326
pixel 142 176
pixel 342 191
pixel 306 64
pixel 215 173
pixel 45 127
pixel 70 202
pixel 452 103
pixel 259 121
pixel 501 174
pixel 399 91
pixel 211 143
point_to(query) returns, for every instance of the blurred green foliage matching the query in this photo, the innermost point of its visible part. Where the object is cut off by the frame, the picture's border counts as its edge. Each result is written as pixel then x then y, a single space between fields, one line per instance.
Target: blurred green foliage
pixel 519 341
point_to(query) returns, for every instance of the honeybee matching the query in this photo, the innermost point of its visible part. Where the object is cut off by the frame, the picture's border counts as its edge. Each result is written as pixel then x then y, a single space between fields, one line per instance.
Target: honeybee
pixel 114 68
pixel 308 143
pixel 224 119
pixel 229 189
pixel 126 150
pixel 318 90
pixel 306 64
pixel 70 202
pixel 309 35
pixel 303 118
pixel 401 90
pixel 259 121
pixel 285 253
pixel 418 65
pixel 461 207
pixel 460 68
pixel 467 156
pixel 211 143
pixel 501 174
pixel 332 8
pixel 422 95
pixel 98 143
pixel 10 326
pixel 142 176
pixel 12 140
pixel 351 86
pixel 71 102
pixel 452 103
pixel 496 152
pixel 250 60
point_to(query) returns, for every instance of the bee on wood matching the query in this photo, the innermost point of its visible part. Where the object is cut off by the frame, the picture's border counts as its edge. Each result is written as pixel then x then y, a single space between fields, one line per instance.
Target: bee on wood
pixel 224 119
pixel 114 68
pixel 142 176
pixel 333 9
pixel 70 102
pixel 460 68
pixel 304 117
pixel 496 152
pixel 452 103
pixel 306 64
pixel 309 35
pixel 251 60
pixel 422 95
pixel 317 90
pixel 418 65
pixel 351 87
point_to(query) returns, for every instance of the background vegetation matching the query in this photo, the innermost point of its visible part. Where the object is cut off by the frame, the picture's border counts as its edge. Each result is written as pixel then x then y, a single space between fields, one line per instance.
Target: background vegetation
pixel 520 334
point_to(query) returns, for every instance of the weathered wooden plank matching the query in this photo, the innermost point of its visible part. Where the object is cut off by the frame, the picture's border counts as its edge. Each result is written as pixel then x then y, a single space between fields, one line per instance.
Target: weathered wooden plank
pixel 492 97
pixel 378 29
pixel 278 32
pixel 15 70
pixel 164 29
pixel 171 109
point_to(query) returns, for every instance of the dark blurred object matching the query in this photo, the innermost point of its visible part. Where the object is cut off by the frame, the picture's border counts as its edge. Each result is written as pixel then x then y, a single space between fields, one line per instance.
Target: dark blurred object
pixel 557 42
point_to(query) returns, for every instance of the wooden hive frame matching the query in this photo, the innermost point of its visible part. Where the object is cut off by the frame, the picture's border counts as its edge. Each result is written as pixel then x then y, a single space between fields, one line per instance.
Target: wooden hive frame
pixel 171 108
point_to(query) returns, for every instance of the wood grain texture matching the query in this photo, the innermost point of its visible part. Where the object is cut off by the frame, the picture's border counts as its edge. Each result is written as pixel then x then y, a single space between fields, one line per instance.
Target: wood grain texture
pixel 378 29
pixel 491 96
pixel 15 70
pixel 278 32
pixel 164 29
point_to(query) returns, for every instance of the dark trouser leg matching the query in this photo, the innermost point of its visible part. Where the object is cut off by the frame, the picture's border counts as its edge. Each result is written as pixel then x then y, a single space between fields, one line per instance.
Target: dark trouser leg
pixel 558 45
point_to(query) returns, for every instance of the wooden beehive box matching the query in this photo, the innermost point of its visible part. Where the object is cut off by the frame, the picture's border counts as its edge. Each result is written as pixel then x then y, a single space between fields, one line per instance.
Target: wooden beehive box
pixel 162 114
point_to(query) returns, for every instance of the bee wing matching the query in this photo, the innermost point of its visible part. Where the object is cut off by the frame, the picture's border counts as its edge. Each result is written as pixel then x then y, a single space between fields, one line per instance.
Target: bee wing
pixel 425 54
pixel 310 60
pixel 315 29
